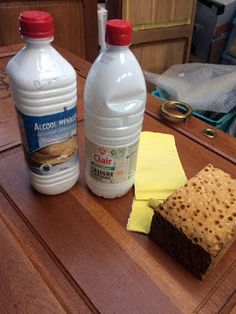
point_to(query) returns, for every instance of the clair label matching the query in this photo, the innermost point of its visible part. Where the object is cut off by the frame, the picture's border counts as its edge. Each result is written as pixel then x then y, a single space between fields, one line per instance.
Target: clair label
pixel 111 164
pixel 50 141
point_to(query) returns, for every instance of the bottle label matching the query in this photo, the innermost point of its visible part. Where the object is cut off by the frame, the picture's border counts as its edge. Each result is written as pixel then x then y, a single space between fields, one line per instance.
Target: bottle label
pixel 50 142
pixel 111 164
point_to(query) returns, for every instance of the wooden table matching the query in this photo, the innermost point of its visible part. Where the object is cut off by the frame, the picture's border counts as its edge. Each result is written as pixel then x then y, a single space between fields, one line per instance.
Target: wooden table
pixel 72 253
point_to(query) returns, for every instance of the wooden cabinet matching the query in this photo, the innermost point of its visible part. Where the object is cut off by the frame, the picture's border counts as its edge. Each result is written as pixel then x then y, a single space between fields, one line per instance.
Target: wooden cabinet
pixel 162 30
pixel 75 23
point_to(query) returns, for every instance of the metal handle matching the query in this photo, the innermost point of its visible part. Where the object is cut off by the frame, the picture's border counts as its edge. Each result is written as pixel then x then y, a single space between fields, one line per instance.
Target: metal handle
pixel 166 112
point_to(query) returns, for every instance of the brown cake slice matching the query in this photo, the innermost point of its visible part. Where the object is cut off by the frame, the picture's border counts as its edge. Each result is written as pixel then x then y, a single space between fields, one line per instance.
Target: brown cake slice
pixel 197 223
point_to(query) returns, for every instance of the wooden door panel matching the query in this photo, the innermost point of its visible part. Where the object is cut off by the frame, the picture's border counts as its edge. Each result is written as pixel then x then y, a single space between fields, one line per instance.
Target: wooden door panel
pixel 158 56
pixel 156 14
pixel 162 30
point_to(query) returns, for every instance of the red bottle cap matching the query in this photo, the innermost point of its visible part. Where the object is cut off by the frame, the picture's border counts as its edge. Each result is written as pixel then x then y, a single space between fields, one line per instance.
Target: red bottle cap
pixel 36 24
pixel 118 32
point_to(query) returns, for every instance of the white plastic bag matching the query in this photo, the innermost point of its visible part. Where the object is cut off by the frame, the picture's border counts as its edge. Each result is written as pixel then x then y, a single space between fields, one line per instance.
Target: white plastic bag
pixel 208 87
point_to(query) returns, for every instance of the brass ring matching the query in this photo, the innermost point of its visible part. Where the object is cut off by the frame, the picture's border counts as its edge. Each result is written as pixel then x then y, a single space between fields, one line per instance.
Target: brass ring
pixel 211 133
pixel 176 117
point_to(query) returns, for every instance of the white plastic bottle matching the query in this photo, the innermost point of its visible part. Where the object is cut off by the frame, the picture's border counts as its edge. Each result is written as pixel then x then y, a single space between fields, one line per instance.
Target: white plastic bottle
pixel 44 90
pixel 114 100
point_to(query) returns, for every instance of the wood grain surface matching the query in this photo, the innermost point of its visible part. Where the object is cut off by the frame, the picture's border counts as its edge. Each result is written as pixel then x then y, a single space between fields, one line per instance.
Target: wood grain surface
pixel 72 253
pixel 75 23
pixel 154 14
pixel 162 30
pixel 68 296
pixel 149 53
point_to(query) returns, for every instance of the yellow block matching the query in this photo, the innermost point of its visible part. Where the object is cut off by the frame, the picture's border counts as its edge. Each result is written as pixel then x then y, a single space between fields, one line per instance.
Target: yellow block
pixel 140 217
pixel 159 170
pixel 159 173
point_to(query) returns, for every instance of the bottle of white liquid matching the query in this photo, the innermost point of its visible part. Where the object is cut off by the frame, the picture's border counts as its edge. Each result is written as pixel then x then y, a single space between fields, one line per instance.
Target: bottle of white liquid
pixel 44 89
pixel 114 100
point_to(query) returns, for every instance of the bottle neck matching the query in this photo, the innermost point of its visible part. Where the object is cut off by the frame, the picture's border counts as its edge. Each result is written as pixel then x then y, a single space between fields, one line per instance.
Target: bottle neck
pixel 113 47
pixel 37 42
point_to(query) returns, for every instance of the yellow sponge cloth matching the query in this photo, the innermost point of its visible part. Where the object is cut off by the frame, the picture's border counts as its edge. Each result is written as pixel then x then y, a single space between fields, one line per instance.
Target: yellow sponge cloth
pixel 158 174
